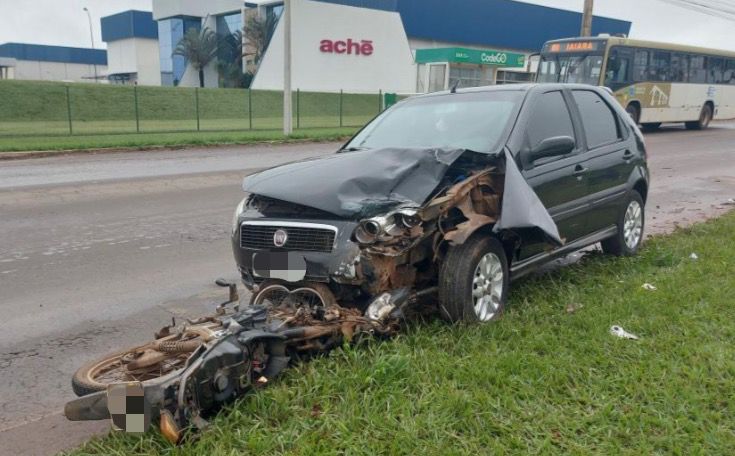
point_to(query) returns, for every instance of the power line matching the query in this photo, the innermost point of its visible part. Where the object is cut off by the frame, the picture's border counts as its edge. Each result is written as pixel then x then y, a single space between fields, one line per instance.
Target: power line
pixel 722 9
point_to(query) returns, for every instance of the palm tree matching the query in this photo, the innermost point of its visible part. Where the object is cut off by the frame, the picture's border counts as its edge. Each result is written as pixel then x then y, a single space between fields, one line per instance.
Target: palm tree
pixel 199 48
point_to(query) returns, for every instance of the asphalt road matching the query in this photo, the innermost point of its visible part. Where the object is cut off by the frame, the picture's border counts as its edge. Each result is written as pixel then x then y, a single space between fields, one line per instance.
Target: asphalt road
pixel 99 251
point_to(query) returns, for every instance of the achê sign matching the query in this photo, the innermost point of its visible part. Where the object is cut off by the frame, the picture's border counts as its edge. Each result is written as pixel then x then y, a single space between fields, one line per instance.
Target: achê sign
pixel 348 46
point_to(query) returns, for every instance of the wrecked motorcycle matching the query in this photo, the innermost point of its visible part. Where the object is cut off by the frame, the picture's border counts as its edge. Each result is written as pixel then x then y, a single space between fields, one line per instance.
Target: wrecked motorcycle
pixel 189 372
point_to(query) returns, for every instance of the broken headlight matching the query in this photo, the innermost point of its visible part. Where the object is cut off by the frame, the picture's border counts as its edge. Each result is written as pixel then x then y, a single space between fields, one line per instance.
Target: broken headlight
pixel 238 210
pixel 386 227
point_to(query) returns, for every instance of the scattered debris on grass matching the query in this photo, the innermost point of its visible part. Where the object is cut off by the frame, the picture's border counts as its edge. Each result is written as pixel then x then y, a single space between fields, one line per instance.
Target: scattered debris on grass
pixel 621 333
pixel 694 256
pixel 649 287
pixel 573 307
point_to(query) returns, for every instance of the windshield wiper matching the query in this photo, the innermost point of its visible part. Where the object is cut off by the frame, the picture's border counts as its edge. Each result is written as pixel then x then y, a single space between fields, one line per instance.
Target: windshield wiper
pixel 353 149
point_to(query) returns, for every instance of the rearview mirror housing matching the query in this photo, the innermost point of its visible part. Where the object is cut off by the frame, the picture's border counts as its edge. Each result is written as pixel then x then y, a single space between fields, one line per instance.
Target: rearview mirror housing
pixel 552 147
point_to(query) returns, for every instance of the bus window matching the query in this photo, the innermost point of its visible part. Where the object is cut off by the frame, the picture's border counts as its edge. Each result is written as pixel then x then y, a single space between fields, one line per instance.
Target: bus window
pixel 618 67
pixel 640 66
pixel 659 67
pixel 580 69
pixel 729 76
pixel 697 72
pixel 715 68
pixel 679 67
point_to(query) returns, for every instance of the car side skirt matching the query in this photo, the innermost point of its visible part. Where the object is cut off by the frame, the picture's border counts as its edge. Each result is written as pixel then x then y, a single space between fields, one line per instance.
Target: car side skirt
pixel 528 265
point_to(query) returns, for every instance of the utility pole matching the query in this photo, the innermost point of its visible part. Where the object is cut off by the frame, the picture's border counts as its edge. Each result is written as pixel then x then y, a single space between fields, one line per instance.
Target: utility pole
pixel 587 18
pixel 91 36
pixel 287 102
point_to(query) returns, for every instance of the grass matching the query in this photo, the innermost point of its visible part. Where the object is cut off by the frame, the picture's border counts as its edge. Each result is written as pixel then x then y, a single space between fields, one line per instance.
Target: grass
pixel 540 380
pixel 9 146
pixel 41 108
pixel 35 116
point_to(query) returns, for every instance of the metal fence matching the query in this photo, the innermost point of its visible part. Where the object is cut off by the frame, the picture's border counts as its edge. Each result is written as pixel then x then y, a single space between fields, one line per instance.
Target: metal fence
pixel 42 108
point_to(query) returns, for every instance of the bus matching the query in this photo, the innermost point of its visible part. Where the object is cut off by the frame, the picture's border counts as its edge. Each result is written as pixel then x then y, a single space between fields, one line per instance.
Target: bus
pixel 654 82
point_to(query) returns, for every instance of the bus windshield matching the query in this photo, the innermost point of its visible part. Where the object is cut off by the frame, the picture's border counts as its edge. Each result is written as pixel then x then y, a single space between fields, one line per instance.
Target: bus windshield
pixel 571 68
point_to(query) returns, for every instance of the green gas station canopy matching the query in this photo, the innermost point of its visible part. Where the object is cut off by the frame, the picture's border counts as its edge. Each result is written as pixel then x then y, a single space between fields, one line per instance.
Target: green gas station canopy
pixel 476 56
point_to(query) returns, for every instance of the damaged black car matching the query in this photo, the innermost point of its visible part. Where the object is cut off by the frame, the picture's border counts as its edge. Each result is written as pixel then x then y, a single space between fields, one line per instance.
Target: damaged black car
pixel 452 194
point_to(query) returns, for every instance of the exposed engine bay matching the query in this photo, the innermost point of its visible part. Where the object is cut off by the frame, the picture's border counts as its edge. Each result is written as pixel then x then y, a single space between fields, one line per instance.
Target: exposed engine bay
pixel 393 218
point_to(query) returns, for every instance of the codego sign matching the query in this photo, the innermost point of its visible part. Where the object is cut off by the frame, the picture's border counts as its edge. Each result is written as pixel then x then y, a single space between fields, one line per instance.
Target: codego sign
pixel 349 46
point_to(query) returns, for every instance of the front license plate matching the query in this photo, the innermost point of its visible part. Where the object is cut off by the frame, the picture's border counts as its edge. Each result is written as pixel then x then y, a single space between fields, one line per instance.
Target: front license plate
pixel 288 266
pixel 129 411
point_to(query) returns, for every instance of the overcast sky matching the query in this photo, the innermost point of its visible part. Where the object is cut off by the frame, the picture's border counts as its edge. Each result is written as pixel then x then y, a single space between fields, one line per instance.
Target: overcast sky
pixel 62 22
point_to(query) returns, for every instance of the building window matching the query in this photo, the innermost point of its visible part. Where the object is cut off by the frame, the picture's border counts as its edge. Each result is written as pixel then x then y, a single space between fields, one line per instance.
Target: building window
pixel 170 32
pixel 229 24
pixel 514 77
pixel 229 52
pixel 470 76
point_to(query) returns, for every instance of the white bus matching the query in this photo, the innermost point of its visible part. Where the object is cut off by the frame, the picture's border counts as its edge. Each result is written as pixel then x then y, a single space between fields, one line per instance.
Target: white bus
pixel 654 82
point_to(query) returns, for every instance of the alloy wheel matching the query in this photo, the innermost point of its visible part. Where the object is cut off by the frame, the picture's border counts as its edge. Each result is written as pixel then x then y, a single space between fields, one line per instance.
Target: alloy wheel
pixel 633 225
pixel 487 287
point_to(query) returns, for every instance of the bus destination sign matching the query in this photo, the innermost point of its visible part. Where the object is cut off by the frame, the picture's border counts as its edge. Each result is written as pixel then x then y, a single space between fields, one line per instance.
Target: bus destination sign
pixel 573 46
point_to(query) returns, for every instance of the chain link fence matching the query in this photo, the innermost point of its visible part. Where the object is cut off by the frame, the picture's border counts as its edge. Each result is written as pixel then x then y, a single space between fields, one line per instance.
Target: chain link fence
pixel 29 108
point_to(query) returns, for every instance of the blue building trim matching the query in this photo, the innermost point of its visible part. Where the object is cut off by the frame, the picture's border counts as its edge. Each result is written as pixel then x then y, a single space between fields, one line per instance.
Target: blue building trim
pixel 500 23
pixel 63 54
pixel 129 24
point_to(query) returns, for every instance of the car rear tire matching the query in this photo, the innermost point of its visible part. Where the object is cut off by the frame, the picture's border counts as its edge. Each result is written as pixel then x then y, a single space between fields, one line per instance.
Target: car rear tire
pixel 705 117
pixel 634 113
pixel 474 280
pixel 627 241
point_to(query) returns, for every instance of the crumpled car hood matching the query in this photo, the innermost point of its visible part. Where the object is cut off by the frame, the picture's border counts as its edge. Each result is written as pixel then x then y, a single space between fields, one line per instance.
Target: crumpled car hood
pixel 357 184
pixel 361 184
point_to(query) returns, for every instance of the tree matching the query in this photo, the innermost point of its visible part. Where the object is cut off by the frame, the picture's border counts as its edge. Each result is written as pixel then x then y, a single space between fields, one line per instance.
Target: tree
pixel 199 48
pixel 229 60
pixel 258 34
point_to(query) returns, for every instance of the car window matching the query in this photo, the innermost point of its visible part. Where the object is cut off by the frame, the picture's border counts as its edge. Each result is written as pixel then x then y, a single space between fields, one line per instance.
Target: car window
pixel 471 120
pixel 550 118
pixel 598 119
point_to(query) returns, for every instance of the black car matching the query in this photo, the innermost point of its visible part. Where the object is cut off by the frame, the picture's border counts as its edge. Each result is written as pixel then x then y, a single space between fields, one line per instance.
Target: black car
pixel 452 194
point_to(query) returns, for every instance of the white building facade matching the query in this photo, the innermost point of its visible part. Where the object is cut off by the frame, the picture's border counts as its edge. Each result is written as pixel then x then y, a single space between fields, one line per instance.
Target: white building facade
pixel 362 46
pixel 51 63
pixel 132 48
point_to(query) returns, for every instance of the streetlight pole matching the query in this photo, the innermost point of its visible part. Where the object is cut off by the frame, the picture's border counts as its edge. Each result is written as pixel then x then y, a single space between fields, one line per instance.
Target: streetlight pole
pixel 91 36
pixel 287 102
pixel 587 18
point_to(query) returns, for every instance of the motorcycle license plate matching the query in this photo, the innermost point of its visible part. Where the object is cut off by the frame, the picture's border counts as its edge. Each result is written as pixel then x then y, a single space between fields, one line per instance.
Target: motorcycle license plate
pixel 128 408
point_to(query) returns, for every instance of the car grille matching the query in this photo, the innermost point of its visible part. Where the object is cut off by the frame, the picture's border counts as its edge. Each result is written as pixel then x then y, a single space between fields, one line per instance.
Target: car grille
pixel 306 239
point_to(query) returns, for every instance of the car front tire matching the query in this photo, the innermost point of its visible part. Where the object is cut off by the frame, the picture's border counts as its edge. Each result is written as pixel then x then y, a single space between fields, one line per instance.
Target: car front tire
pixel 474 280
pixel 627 241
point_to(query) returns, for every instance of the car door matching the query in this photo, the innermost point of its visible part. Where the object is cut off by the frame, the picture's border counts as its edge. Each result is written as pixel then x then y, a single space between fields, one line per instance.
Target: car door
pixel 608 159
pixel 560 182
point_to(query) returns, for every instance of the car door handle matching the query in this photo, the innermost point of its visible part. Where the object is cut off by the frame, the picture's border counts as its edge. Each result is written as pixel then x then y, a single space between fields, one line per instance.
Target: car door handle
pixel 628 155
pixel 579 170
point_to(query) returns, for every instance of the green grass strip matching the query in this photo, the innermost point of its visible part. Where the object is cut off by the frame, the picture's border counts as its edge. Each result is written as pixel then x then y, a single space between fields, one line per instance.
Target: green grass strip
pixel 541 380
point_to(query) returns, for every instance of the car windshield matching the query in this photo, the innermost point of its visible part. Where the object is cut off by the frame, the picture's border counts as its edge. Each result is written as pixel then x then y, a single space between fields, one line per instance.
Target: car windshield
pixel 474 121
pixel 578 69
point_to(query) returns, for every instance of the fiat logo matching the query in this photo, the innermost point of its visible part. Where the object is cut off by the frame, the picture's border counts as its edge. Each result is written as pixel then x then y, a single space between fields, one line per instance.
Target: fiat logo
pixel 279 238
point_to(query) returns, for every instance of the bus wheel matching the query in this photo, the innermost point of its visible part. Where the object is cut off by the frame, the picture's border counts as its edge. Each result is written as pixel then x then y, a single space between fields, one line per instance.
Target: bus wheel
pixel 651 126
pixel 634 113
pixel 704 119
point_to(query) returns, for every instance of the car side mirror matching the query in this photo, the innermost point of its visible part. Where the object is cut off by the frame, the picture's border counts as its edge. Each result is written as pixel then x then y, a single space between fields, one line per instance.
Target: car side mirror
pixel 552 147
